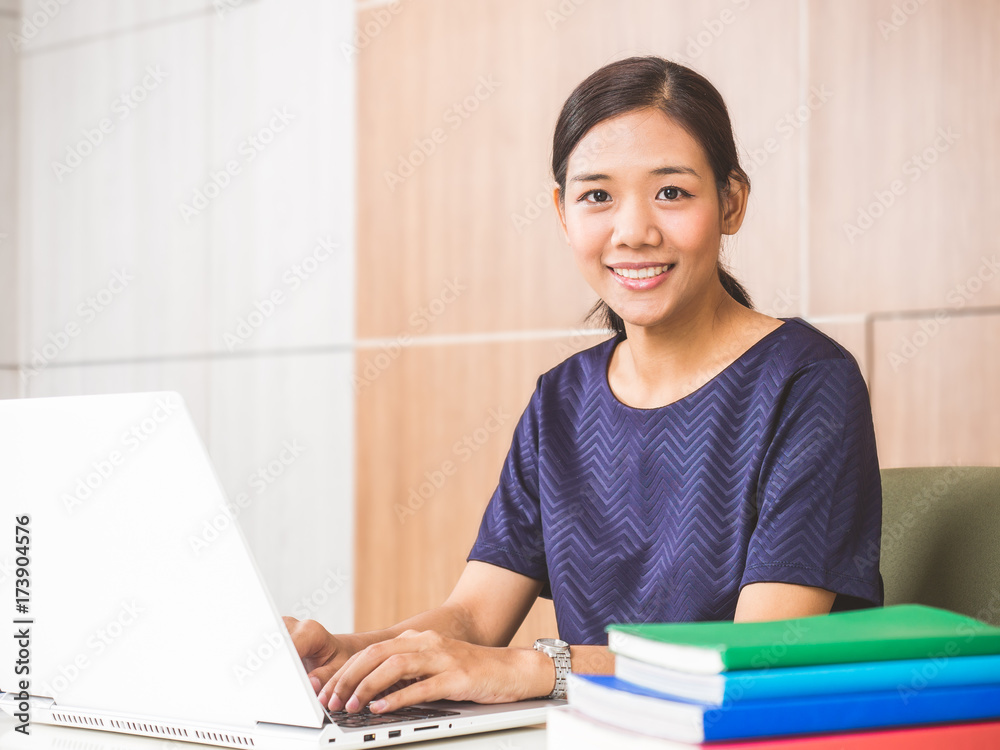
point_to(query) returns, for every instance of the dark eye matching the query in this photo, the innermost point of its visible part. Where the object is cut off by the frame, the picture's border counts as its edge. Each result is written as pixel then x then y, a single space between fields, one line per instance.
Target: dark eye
pixel 596 196
pixel 671 193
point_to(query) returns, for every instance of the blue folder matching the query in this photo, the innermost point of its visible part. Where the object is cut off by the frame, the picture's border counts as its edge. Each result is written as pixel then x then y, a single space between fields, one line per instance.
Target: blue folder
pixel 614 701
pixel 905 675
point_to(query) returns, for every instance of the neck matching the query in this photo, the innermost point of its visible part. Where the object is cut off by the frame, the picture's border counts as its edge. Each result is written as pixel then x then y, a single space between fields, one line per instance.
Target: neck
pixel 685 351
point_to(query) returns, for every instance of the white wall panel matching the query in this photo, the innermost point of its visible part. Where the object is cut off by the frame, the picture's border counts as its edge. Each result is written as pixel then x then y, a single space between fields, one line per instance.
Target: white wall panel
pixel 57 22
pixel 113 209
pixel 9 387
pixel 8 199
pixel 127 206
pixel 190 379
pixel 282 94
pixel 282 433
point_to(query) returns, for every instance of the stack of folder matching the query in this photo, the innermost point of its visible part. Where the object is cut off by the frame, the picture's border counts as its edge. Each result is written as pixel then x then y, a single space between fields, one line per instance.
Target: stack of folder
pixel 904 676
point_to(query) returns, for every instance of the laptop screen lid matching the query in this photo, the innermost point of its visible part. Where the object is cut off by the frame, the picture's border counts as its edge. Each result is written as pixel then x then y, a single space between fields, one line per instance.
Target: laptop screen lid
pixel 132 608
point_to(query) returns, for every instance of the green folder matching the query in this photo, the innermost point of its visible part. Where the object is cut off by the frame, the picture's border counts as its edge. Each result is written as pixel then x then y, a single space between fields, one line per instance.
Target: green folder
pixel 902 631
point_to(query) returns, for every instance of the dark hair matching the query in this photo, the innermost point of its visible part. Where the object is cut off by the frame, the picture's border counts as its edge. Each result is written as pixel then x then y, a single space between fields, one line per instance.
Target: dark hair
pixel 683 95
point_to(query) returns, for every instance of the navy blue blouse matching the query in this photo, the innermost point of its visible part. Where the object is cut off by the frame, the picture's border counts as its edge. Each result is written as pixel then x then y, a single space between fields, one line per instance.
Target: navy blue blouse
pixel 768 472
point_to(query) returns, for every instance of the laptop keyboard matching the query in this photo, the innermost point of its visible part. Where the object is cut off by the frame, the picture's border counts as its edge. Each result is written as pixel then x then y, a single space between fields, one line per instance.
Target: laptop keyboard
pixel 366 718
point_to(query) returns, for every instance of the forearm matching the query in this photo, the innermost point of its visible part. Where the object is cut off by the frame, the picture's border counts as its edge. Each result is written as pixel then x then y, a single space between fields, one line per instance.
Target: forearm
pixel 539 671
pixel 592 659
pixel 448 619
pixel 470 614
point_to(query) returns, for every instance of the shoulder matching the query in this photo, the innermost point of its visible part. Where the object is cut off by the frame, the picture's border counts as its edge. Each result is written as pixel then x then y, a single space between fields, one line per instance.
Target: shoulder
pixel 798 346
pixel 585 368
pixel 577 383
pixel 792 368
pixel 817 381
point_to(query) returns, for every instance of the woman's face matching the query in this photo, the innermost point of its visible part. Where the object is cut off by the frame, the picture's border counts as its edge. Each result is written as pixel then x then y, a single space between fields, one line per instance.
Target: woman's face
pixel 641 213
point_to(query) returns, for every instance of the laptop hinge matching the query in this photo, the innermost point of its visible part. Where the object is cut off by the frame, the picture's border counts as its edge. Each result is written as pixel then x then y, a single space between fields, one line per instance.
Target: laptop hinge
pixel 279 725
pixel 38 701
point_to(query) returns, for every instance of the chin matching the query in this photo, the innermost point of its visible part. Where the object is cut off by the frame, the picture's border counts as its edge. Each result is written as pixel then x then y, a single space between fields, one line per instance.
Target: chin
pixel 643 318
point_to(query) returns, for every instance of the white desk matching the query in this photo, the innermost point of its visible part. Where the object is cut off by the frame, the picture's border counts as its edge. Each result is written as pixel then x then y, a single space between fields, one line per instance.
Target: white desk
pixel 44 737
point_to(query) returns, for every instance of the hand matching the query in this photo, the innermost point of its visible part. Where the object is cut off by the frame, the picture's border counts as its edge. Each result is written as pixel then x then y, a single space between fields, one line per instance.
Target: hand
pixel 322 654
pixel 434 667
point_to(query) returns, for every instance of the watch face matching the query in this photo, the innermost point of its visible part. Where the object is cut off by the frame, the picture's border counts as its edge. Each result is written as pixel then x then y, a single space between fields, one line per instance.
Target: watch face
pixel 552 643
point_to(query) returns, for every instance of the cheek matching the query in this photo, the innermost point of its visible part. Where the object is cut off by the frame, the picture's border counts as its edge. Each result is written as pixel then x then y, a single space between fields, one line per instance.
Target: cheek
pixel 587 234
pixel 696 231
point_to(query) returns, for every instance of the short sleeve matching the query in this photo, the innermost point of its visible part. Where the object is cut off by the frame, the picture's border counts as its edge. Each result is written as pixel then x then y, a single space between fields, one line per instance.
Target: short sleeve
pixel 510 534
pixel 819 499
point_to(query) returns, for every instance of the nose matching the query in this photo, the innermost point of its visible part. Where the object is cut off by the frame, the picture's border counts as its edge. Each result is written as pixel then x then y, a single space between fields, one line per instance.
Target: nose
pixel 635 225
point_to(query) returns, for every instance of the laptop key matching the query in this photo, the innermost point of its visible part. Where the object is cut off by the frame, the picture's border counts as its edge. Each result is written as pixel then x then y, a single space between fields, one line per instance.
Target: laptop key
pixel 366 718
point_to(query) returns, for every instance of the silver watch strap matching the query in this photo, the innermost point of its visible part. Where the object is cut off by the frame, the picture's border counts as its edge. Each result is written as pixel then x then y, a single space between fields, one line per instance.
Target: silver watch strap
pixel 562 663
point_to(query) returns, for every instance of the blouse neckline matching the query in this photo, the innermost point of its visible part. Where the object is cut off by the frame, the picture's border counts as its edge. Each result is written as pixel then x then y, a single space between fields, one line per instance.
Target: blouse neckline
pixel 606 383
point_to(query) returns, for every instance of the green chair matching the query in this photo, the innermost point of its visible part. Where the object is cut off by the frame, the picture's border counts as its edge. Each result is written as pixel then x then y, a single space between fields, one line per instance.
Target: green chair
pixel 941 538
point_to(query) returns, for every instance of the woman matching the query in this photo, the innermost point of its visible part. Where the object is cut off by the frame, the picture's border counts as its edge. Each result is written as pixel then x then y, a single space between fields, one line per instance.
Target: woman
pixel 708 462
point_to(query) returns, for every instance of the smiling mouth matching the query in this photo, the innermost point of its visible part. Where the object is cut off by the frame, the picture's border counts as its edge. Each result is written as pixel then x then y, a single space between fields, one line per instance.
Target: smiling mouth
pixel 642 273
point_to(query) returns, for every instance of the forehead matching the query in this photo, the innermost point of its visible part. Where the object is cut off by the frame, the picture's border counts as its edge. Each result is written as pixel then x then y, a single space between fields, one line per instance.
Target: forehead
pixel 644 138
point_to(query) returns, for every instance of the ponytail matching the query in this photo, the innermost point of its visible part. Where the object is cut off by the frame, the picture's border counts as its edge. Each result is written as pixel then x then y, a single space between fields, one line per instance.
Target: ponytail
pixel 735 289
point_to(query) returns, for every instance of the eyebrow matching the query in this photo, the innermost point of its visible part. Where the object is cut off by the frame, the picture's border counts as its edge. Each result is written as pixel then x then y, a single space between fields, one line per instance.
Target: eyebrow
pixel 659 172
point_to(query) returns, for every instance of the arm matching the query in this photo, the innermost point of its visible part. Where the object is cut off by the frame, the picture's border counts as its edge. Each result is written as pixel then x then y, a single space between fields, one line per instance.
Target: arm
pixel 592 660
pixel 818 500
pixel 486 607
pixel 457 650
pixel 781 601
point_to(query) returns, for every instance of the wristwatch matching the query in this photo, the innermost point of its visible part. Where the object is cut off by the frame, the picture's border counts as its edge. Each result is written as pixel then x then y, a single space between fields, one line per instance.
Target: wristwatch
pixel 559 651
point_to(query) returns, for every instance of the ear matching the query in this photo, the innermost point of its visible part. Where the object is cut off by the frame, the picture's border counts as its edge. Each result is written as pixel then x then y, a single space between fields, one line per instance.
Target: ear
pixel 560 210
pixel 734 206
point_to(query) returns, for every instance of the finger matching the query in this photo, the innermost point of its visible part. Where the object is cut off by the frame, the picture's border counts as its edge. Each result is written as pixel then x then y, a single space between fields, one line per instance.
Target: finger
pixel 360 668
pixel 393 688
pixel 308 636
pixel 423 691
pixel 342 685
pixel 328 694
pixel 394 669
pixel 316 648
pixel 322 680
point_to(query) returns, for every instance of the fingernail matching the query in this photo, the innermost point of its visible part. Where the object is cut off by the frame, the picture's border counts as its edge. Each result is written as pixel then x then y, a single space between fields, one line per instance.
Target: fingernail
pixel 314 681
pixel 322 696
pixel 353 704
pixel 377 706
pixel 335 703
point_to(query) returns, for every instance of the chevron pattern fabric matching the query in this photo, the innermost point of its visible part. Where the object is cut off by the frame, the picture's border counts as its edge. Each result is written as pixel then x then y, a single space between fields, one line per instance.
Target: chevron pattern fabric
pixel 768 472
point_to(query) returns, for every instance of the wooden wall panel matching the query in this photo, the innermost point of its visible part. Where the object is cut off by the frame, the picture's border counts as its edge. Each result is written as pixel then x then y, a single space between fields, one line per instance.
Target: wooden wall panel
pixel 433 428
pixel 477 208
pixel 934 390
pixel 826 112
pixel 469 205
pixel 913 123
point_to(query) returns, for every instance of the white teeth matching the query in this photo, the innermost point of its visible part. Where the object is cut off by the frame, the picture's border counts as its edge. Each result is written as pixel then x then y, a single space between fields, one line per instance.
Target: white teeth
pixel 641 273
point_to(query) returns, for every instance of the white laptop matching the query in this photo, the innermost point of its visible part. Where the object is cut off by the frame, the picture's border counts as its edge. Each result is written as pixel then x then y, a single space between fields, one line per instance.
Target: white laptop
pixel 126 625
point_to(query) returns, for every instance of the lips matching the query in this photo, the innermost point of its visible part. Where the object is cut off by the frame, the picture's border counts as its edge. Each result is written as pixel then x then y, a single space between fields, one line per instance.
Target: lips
pixel 644 272
pixel 641 276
